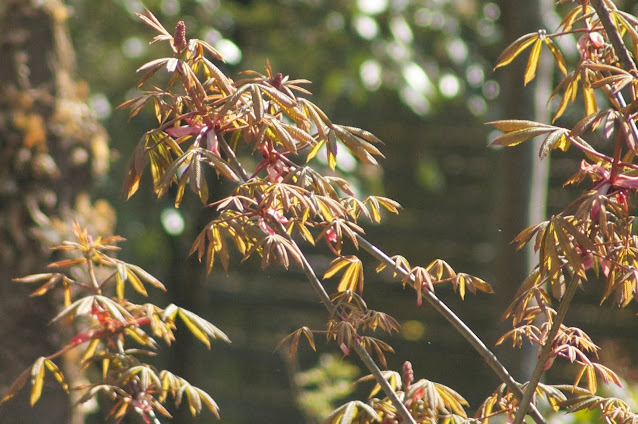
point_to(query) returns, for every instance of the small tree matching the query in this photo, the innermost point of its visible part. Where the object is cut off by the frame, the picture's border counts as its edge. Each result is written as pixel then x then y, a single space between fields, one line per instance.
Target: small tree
pixel 282 207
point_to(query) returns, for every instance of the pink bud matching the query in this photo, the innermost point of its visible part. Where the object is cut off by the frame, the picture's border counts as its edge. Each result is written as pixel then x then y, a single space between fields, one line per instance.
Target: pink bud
pixel 597 40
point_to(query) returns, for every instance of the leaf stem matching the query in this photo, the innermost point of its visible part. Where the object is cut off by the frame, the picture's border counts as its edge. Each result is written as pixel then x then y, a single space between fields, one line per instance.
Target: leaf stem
pixel 487 355
pixel 546 349
pixel 94 282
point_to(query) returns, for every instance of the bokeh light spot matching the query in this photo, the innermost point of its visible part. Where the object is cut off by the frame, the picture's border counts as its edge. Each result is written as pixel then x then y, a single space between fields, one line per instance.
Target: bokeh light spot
pixel 172 221
pixel 372 7
pixel 365 26
pixel 449 86
pixel 412 330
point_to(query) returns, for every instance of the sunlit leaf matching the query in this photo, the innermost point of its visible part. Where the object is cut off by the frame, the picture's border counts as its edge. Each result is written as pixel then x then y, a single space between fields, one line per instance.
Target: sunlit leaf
pixel 136 283
pixel 558 56
pixel 352 276
pixel 17 385
pixel 198 326
pixel 590 100
pixel 532 63
pixel 510 125
pixel 90 350
pixel 146 276
pixel 37 380
pixel 517 137
pixel 347 413
pixel 294 337
pixel 516 48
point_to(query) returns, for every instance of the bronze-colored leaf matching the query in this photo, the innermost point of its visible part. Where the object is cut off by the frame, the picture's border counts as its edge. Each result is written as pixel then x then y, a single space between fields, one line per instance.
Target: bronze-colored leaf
pixel 517 137
pixel 17 385
pixel 555 140
pixel 513 50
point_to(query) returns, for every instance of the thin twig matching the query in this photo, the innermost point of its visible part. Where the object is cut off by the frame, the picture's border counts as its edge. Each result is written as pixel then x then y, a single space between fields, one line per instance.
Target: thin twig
pixel 487 355
pixel 91 269
pixel 546 349
pixel 363 354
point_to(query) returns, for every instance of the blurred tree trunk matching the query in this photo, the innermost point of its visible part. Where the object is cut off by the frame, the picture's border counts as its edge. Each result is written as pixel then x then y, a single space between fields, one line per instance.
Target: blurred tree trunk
pixel 524 178
pixel 51 148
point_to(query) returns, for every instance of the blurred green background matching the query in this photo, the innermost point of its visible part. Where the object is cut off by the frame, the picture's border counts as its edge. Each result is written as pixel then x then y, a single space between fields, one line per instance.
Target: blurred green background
pixel 418 74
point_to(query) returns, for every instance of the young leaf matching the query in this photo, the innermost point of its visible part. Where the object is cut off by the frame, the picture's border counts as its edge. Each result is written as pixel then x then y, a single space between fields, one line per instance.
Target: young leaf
pixel 516 48
pixel 200 328
pixel 17 385
pixel 294 340
pixel 57 374
pixel 517 137
pixel 560 60
pixel 135 282
pixel 346 414
pixel 555 140
pixel 353 275
pixel 532 63
pixel 37 380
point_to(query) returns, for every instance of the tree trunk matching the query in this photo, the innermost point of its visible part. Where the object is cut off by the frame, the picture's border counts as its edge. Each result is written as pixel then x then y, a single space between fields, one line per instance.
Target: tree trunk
pixel 51 147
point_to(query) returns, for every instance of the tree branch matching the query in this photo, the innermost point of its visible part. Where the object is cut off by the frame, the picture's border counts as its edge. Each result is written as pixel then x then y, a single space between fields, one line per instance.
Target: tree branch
pixel 614 36
pixel 460 326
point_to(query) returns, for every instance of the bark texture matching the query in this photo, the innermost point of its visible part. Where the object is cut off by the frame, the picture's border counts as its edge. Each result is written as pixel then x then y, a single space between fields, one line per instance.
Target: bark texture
pixel 51 149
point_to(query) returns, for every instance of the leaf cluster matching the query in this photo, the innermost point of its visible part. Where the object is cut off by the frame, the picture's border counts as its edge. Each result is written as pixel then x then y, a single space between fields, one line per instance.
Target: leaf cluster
pixel 592 238
pixel 106 323
pixel 426 400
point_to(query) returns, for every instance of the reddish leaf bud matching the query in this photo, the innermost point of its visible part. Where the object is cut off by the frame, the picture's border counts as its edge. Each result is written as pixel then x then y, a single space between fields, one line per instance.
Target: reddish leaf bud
pixel 179 39
pixel 276 81
pixel 407 375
